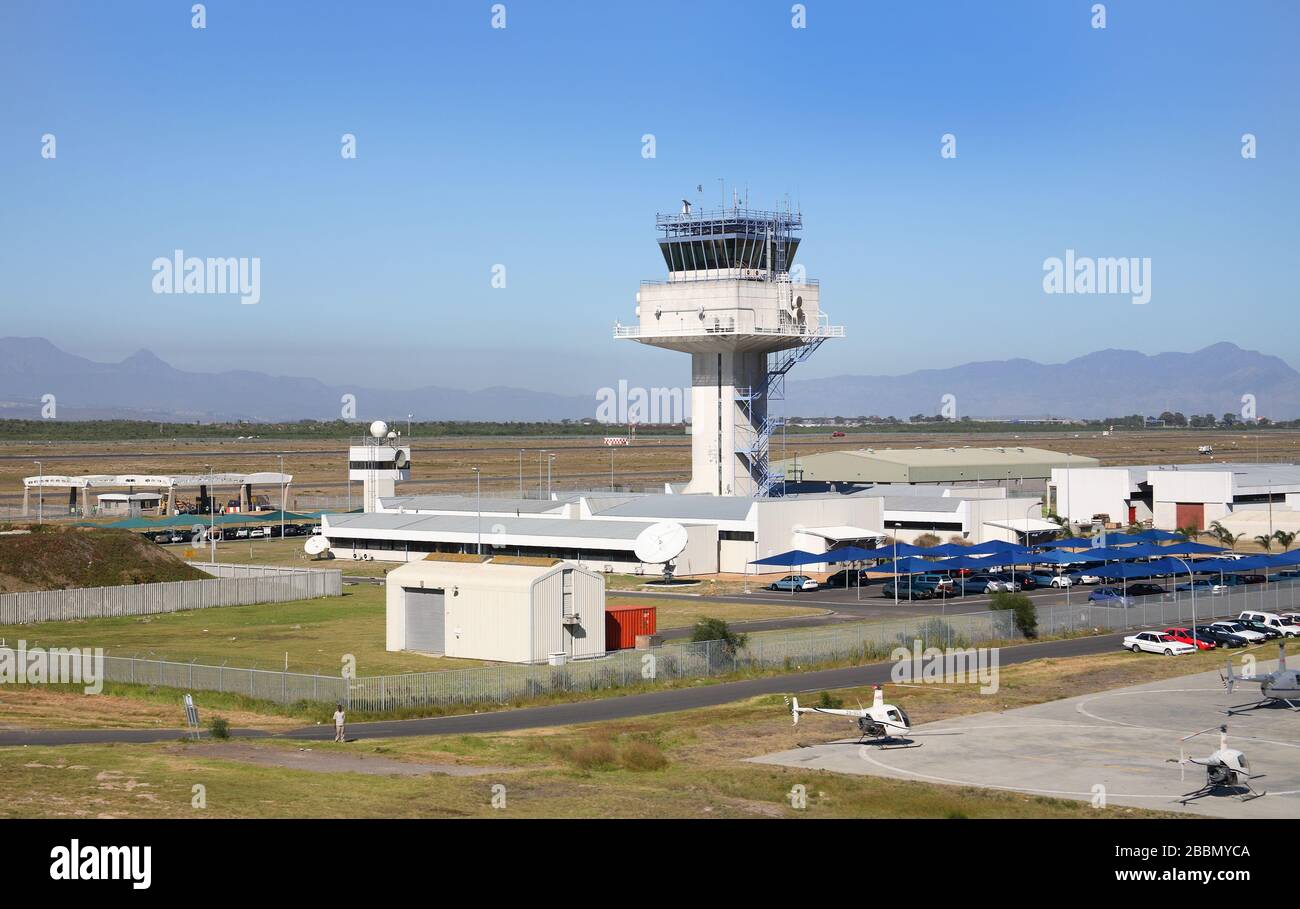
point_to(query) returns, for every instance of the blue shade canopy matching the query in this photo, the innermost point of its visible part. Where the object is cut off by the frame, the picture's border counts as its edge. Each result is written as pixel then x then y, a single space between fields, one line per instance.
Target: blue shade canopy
pixel 1107 554
pixel 1060 558
pixel 1156 536
pixel 1285 559
pixel 1070 543
pixel 949 549
pixel 1190 549
pixel 1114 538
pixel 1000 547
pixel 791 558
pixel 958 563
pixel 853 554
pixel 1126 570
pixel 901 549
pixel 907 565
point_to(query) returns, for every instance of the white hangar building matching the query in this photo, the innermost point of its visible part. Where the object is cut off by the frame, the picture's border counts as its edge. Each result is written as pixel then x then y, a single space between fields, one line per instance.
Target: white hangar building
pixel 1173 496
pixel 501 610
pixel 724 533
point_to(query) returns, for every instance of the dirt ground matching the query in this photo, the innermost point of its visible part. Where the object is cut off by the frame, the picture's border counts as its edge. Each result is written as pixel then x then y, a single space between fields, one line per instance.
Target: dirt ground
pixel 444 464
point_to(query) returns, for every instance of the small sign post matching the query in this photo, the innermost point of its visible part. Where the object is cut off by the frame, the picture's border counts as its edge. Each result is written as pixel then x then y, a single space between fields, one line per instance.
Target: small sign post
pixel 191 717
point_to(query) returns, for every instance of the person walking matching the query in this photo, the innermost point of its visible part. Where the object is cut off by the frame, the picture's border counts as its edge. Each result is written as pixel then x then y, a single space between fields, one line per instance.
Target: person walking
pixel 339 716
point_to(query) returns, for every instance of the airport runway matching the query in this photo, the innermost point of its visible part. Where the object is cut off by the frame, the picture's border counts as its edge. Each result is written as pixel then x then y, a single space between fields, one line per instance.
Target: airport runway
pixel 1121 744
pixel 589 711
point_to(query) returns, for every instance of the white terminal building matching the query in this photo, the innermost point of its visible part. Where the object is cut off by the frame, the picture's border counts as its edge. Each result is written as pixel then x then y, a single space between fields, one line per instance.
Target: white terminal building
pixel 735 302
pixel 1252 499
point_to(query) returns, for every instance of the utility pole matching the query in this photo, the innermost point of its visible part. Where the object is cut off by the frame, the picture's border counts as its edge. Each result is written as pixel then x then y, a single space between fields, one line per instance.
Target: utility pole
pixel 478 482
pixel 40 493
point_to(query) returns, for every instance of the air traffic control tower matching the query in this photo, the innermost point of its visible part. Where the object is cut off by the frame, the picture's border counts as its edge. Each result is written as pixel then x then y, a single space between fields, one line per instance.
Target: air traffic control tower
pixel 733 302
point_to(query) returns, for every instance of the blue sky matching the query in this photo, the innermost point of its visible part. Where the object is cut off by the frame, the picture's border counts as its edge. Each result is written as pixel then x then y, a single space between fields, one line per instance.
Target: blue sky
pixel 522 146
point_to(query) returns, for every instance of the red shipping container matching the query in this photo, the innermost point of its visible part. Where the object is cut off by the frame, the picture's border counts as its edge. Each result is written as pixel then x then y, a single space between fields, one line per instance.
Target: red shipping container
pixel 623 625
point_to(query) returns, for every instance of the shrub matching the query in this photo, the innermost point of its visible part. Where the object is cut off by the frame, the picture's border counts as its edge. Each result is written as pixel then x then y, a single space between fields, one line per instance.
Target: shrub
pixel 642 756
pixel 595 756
pixel 219 728
pixel 1023 611
pixel 826 701
pixel 708 629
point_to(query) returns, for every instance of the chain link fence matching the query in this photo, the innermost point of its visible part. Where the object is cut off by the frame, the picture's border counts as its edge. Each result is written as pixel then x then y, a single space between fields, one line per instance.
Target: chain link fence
pixel 232 585
pixel 789 650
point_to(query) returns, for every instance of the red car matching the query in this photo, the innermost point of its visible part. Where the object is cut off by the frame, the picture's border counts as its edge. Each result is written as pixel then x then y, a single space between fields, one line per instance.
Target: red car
pixel 837 435
pixel 1184 636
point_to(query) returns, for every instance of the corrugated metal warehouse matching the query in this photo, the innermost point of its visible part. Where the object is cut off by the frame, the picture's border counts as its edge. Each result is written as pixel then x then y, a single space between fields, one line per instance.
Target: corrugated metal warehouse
pixel 504 609
pixel 931 465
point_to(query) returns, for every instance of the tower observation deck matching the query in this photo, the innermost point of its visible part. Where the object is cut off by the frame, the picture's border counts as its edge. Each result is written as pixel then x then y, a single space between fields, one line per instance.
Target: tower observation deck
pixel 734 301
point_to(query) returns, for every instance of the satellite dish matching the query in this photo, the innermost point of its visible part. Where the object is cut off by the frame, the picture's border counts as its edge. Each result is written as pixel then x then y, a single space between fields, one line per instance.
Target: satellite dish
pixel 379 429
pixel 316 545
pixel 399 460
pixel 661 542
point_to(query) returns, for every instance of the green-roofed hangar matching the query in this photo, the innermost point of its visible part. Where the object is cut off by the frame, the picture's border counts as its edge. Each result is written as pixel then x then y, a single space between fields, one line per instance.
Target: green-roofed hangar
pixel 930 465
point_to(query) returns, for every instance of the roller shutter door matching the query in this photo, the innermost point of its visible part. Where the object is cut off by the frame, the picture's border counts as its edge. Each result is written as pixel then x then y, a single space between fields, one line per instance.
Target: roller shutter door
pixel 425 620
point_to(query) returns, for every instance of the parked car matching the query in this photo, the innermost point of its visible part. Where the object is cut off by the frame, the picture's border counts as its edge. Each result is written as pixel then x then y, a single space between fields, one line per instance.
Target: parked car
pixel 794 582
pixel 980 583
pixel 1287 628
pixel 1008 584
pixel 1185 636
pixel 847 577
pixel 1220 637
pixel 1145 590
pixel 1048 579
pixel 1156 642
pixel 241 533
pixel 1240 630
pixel 1268 631
pixel 1109 596
pixel 1086 578
pixel 1200 585
pixel 941 586
pixel 837 435
pixel 315 529
pixel 260 532
pixel 1252 578
pixel 904 591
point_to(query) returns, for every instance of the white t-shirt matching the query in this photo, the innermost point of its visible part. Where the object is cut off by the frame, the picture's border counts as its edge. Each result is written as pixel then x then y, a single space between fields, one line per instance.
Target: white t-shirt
pixel 338 717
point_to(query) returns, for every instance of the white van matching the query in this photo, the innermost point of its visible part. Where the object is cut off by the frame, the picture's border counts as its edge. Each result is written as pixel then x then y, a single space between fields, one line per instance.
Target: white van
pixel 1288 629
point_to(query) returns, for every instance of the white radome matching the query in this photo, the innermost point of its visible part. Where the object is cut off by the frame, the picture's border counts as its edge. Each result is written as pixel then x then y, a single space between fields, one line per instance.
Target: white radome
pixel 379 429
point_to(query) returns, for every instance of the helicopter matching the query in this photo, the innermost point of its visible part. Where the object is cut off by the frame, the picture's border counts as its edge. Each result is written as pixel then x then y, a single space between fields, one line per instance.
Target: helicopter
pixel 1227 770
pixel 1281 684
pixel 883 725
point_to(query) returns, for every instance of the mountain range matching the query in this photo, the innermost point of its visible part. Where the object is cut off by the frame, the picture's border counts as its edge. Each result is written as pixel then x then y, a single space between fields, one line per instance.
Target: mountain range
pixel 1105 383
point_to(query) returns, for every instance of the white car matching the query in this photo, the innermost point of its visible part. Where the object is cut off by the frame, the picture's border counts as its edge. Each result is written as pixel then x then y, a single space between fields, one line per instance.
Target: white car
pixel 241 533
pixel 1288 629
pixel 260 532
pixel 1156 642
pixel 1240 631
pixel 1089 579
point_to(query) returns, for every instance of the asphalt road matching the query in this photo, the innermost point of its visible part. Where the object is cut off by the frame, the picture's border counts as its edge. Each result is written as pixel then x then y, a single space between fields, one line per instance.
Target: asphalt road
pixel 589 711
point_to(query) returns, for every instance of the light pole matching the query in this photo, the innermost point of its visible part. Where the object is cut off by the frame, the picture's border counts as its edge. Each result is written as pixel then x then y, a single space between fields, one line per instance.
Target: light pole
pixel 40 493
pixel 1191 583
pixel 282 494
pixel 212 515
pixel 408 425
pixel 550 459
pixel 521 473
pixel 478 482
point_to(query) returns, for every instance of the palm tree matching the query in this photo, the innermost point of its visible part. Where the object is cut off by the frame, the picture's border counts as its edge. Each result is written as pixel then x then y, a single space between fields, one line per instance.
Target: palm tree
pixel 1265 541
pixel 1190 532
pixel 1218 531
pixel 1284 538
pixel 1228 538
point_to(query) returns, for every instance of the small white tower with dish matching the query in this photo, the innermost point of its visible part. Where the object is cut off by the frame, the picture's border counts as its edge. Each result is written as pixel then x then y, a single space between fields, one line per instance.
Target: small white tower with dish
pixel 378 460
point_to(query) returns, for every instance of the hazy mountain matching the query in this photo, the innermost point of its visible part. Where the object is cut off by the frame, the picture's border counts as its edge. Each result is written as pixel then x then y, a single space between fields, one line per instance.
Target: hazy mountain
pixel 1102 384
pixel 144 387
pixel 1105 383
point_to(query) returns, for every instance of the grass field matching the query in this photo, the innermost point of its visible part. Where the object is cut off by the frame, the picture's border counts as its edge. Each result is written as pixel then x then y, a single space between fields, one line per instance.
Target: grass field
pixel 315 634
pixel 686 764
